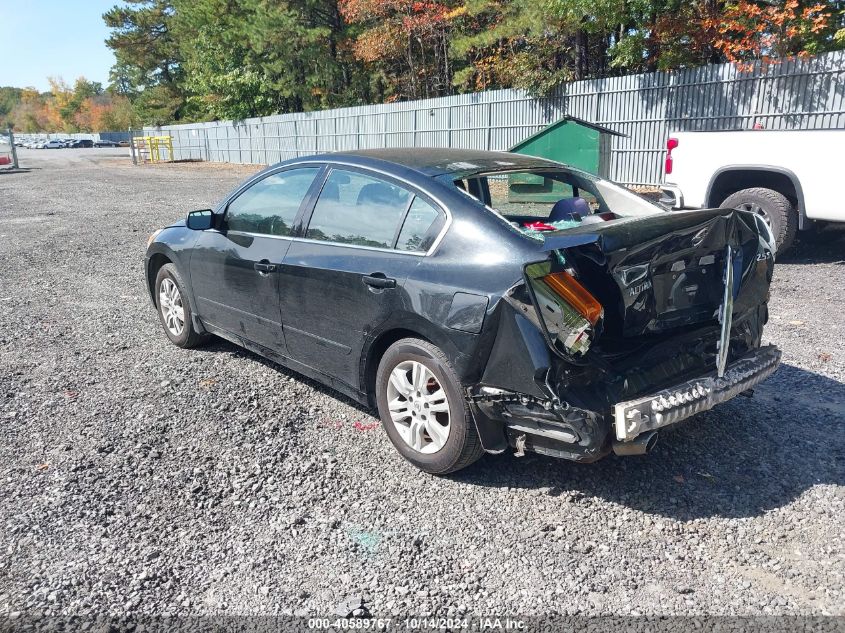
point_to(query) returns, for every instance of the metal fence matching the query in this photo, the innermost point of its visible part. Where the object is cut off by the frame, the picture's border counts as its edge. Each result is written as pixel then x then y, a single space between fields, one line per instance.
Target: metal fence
pixel 801 93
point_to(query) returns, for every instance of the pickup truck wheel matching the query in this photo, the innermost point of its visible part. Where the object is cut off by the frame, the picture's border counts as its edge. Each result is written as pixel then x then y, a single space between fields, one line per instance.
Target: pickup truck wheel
pixel 423 409
pixel 773 207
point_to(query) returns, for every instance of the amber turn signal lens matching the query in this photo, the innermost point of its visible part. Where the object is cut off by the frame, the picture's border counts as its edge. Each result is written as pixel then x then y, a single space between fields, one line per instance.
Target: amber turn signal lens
pixel 566 286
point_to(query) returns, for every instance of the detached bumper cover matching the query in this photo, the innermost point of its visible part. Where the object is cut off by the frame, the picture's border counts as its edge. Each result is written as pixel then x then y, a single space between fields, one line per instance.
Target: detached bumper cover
pixel 701 394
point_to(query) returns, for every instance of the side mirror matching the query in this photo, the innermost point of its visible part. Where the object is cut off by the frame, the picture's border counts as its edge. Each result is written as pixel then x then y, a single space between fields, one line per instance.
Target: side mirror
pixel 200 220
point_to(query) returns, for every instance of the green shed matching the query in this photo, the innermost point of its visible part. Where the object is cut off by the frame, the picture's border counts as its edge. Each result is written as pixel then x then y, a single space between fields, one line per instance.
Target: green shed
pixel 569 140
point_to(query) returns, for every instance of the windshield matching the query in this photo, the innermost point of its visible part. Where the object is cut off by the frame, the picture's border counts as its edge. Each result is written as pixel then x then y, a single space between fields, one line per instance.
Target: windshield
pixel 536 201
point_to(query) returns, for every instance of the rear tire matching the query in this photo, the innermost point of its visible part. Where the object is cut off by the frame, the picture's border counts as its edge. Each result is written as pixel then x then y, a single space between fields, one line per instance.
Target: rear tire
pixel 439 443
pixel 775 209
pixel 174 308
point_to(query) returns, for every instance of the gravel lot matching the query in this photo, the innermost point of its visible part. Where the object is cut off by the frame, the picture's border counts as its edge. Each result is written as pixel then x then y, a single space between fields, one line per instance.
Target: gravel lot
pixel 136 477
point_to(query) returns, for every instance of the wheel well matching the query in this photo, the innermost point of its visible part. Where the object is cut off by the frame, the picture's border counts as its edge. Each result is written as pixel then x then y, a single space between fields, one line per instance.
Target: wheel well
pixel 376 351
pixel 729 182
pixel 156 262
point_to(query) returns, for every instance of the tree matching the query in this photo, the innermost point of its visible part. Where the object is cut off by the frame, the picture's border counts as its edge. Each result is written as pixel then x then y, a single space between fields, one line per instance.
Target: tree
pixel 406 42
pixel 182 60
pixel 9 98
pixel 222 80
pixel 305 50
pixel 29 115
pixel 749 30
pixel 510 44
pixel 119 116
pixel 148 57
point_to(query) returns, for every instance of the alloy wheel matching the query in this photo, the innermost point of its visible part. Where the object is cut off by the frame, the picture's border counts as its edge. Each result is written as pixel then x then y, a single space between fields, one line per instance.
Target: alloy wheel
pixel 419 407
pixel 756 208
pixel 170 304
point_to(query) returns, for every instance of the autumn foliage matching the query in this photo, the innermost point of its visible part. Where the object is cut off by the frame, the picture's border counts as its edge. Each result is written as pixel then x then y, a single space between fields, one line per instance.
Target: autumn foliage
pixel 198 60
pixel 85 107
pixel 407 41
pixel 747 31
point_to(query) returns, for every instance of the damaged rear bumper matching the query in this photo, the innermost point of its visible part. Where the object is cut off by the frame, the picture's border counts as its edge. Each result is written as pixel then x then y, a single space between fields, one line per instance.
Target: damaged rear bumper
pixel 681 401
pixel 558 429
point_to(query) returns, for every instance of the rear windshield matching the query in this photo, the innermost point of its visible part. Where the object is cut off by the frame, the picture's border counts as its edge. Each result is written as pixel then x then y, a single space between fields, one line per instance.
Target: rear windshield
pixel 539 201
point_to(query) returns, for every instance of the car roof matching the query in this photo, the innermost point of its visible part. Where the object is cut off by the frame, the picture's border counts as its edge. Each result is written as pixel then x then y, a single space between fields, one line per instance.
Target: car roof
pixel 432 161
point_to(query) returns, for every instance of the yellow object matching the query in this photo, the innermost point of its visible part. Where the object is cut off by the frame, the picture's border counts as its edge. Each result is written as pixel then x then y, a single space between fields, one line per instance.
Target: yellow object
pixel 154 149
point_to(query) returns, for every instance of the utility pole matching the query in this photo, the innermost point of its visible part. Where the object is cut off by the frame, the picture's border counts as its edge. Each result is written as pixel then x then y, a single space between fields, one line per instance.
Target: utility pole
pixel 14 149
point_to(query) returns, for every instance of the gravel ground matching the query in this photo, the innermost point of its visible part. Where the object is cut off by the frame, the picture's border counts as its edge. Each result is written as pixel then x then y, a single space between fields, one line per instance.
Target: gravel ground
pixel 136 477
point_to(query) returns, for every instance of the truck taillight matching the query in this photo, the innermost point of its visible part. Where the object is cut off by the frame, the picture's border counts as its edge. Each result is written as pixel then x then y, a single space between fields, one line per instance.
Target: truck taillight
pixel 671 144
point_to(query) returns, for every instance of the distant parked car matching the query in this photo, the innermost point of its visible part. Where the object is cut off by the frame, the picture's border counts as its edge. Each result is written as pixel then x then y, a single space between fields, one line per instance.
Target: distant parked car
pixel 83 142
pixel 104 143
pixel 53 145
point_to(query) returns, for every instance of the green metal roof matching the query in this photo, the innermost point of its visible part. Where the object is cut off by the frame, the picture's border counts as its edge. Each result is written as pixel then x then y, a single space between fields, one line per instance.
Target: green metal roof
pixel 561 121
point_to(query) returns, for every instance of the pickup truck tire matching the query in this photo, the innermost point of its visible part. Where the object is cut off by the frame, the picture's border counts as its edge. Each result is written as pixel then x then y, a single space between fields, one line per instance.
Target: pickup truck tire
pixel 775 208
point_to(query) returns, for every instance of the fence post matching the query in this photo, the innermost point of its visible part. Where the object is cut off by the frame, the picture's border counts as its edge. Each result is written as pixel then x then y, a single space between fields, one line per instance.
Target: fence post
pixel 384 129
pixel 14 149
pixel 489 125
pixel 132 147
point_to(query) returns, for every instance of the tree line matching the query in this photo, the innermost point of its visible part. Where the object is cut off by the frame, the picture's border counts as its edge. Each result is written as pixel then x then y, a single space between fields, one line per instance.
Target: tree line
pixel 84 107
pixel 199 60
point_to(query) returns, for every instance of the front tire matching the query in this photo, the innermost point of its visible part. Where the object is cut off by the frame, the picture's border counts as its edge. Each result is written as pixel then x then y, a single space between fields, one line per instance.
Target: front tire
pixel 423 409
pixel 174 308
pixel 777 211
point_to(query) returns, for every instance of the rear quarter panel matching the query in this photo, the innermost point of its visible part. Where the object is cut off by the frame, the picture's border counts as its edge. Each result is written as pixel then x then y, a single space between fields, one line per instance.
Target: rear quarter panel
pixel 457 289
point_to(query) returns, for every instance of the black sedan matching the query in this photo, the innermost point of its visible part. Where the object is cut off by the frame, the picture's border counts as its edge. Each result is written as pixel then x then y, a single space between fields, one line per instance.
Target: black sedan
pixel 479 300
pixel 80 143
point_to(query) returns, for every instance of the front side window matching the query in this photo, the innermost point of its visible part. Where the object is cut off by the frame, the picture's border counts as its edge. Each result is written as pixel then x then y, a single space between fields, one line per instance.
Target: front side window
pixel 356 209
pixel 270 205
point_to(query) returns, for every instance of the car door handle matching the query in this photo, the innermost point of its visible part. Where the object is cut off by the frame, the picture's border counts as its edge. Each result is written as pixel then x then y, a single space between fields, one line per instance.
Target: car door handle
pixel 264 267
pixel 378 280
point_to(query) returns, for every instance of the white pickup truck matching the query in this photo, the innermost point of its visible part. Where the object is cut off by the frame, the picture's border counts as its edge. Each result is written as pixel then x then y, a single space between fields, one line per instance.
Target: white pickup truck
pixel 791 178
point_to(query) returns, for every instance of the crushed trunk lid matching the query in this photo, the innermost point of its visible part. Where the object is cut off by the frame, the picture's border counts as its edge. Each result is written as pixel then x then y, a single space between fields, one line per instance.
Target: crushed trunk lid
pixel 661 272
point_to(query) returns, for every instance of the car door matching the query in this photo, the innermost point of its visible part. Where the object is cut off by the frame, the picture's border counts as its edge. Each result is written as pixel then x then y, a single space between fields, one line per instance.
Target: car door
pixel 234 270
pixel 345 277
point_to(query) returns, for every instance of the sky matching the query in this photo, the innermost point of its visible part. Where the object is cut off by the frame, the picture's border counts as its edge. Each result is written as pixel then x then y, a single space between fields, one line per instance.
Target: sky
pixel 43 38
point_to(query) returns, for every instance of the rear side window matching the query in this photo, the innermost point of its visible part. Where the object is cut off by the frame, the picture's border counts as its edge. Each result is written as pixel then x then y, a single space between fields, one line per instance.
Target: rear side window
pixel 421 227
pixel 358 209
pixel 270 205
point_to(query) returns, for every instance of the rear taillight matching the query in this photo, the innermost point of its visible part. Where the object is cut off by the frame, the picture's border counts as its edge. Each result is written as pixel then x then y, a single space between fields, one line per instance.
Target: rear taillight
pixel 576 295
pixel 568 311
pixel 671 144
